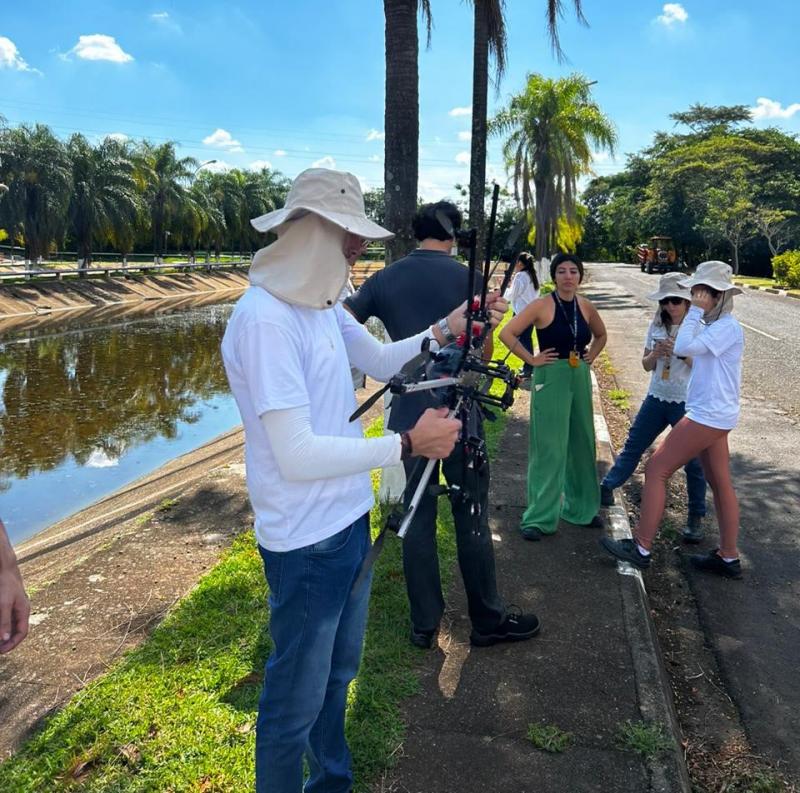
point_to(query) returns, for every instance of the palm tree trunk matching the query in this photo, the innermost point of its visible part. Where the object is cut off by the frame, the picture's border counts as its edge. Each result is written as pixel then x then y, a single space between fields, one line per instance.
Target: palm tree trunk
pixel 480 91
pixel 540 214
pixel 401 124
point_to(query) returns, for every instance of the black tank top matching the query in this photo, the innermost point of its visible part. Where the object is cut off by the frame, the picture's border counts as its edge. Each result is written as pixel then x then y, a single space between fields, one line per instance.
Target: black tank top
pixel 558 333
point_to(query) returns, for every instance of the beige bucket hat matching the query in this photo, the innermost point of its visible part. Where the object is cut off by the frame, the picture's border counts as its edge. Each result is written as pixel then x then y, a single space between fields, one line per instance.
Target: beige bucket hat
pixel 333 195
pixel 717 275
pixel 670 286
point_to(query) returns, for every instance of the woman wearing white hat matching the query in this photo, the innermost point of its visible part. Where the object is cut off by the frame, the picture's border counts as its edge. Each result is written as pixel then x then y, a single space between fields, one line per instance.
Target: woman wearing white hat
pixel 715 340
pixel 665 403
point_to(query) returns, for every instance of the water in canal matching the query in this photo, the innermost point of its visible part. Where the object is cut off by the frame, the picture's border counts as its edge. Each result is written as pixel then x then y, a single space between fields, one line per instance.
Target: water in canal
pixel 85 411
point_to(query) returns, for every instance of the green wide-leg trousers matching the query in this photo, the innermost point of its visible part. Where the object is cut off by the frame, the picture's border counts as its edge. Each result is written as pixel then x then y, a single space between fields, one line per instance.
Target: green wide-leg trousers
pixel 562 470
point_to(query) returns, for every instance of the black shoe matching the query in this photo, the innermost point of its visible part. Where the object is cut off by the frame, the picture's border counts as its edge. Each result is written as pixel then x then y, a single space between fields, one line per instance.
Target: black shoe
pixel 516 627
pixel 595 523
pixel 531 533
pixel 712 562
pixel 422 639
pixel 627 551
pixel 693 532
pixel 606 496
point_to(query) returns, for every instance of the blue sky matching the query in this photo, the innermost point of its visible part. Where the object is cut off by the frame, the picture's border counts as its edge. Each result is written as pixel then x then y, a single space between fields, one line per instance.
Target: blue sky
pixel 294 84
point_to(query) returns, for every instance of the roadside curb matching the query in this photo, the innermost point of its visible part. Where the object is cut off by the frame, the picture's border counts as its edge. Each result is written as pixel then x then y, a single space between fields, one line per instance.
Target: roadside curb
pixel 652 681
pixel 769 289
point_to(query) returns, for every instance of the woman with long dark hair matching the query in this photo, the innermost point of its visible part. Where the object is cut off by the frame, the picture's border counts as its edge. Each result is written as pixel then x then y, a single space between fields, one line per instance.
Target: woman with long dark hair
pixel 562 473
pixel 665 403
pixel 523 291
pixel 715 340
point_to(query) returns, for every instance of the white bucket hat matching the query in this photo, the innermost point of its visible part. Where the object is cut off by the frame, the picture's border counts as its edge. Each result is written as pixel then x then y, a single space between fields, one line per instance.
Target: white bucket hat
pixel 670 286
pixel 333 195
pixel 717 275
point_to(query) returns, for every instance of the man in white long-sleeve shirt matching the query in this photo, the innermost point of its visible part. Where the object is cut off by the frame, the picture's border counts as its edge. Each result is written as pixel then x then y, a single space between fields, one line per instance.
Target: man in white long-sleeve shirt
pixel 287 352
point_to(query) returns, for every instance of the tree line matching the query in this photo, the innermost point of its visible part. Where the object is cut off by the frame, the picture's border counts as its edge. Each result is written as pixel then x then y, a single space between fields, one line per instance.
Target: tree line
pixel 719 187
pixel 123 195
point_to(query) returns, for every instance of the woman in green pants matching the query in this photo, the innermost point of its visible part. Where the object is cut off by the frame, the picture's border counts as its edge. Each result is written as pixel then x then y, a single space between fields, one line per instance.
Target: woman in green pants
pixel 562 473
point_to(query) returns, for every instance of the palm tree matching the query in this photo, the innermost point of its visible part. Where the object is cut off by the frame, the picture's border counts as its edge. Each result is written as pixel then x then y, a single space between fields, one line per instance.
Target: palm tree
pixel 104 195
pixel 247 195
pixel 35 167
pixel 165 192
pixel 401 120
pixel 551 128
pixel 490 40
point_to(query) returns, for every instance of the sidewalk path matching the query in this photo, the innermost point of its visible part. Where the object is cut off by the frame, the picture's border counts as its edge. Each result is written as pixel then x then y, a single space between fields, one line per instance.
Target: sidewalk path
pixel 593 667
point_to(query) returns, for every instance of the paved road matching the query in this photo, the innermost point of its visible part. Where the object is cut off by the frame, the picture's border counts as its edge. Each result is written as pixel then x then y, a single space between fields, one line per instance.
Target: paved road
pixel 753 625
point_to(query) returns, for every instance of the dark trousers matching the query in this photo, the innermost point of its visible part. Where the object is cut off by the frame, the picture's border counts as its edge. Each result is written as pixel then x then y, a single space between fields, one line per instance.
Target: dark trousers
pixel 473 541
pixel 526 340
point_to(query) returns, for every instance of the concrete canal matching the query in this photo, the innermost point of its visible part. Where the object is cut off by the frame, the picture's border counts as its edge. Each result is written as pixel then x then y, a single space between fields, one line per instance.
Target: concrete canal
pixel 86 410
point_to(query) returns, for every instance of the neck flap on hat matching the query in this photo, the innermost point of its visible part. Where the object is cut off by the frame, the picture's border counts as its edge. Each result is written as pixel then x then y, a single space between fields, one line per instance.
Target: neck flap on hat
pixel 305 266
pixel 724 306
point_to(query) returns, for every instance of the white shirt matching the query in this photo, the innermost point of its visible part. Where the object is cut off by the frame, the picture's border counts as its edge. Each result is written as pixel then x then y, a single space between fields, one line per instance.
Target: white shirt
pixel 280 357
pixel 716 349
pixel 521 292
pixel 674 388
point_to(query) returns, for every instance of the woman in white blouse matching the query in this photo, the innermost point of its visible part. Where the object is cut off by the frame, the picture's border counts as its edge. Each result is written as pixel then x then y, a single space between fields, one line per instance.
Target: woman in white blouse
pixel 524 289
pixel 715 341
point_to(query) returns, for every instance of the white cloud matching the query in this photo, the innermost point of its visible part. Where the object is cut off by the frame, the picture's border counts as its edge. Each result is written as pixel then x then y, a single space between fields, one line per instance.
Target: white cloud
pixel 220 166
pixel 672 13
pixel 324 162
pixel 375 158
pixel 461 111
pixel 258 165
pixel 769 108
pixel 99 47
pixel 99 458
pixel 10 57
pixel 119 136
pixel 465 135
pixel 222 139
pixel 463 157
pixel 375 134
pixel 163 19
pixel 279 152
pixel 600 156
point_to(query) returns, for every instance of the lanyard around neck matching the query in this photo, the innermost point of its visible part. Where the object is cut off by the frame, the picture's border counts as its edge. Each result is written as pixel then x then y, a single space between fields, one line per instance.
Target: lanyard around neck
pixel 574 326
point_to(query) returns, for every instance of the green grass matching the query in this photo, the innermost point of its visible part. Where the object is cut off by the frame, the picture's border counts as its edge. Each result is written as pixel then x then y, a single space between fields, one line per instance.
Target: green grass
pixel 605 363
pixel 752 281
pixel 771 283
pixel 620 398
pixel 167 504
pixel 649 739
pixel 178 713
pixel 549 738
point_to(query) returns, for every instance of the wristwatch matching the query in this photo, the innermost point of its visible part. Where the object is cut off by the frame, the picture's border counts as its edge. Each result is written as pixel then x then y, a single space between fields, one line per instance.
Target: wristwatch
pixel 448 334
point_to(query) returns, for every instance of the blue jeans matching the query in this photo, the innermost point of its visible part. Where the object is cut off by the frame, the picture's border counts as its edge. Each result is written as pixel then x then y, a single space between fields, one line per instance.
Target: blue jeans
pixel 653 418
pixel 317 625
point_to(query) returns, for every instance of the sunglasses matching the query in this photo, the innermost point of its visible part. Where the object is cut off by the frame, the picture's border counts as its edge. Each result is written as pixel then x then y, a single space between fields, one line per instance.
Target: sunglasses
pixel 676 301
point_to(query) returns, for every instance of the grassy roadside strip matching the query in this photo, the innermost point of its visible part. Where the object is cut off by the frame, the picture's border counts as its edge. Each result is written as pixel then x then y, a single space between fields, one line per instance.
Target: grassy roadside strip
pixel 178 712
pixel 769 283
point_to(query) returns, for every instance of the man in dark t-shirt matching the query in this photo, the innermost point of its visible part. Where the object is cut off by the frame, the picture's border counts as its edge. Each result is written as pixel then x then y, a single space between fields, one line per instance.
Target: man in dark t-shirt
pixel 408 296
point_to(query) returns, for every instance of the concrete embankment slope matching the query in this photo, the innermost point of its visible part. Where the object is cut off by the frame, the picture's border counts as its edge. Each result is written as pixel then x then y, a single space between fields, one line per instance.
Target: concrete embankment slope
pixel 40 298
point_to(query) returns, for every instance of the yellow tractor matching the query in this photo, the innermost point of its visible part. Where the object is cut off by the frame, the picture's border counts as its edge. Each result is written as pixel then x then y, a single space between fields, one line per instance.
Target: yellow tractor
pixel 659 257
